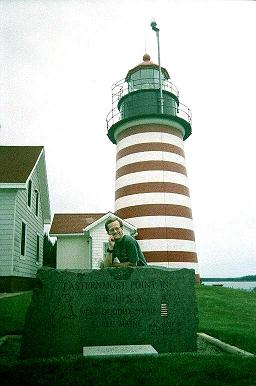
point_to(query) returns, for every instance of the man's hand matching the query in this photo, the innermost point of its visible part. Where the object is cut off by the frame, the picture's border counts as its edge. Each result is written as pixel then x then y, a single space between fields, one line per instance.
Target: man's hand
pixel 124 264
pixel 111 243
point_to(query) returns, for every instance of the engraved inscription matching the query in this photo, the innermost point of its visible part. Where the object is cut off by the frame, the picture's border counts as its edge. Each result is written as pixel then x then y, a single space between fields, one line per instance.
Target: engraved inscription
pixel 120 299
pixel 114 285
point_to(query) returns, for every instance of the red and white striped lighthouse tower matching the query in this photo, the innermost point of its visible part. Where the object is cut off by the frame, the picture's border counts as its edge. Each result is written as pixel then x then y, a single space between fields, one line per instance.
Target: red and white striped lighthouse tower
pixel 152 189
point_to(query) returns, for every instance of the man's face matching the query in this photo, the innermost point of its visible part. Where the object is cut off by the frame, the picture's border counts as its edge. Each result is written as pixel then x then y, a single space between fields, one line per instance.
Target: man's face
pixel 115 230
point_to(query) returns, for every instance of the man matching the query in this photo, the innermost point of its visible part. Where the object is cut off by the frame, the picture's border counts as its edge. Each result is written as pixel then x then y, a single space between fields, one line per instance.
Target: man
pixel 123 250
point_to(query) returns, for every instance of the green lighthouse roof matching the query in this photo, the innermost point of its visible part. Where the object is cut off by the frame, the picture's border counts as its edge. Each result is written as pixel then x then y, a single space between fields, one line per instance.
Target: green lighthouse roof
pixel 147 63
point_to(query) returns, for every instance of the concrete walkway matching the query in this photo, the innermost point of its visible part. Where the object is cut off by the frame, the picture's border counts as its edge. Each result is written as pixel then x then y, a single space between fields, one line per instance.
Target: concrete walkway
pixel 224 346
pixel 9 294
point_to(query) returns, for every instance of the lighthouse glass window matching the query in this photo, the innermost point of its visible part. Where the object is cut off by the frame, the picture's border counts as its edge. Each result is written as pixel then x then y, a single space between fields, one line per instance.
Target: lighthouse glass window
pixel 144 79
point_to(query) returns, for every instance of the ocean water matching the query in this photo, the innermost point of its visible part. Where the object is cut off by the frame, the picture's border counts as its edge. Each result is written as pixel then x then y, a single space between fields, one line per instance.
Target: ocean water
pixel 246 285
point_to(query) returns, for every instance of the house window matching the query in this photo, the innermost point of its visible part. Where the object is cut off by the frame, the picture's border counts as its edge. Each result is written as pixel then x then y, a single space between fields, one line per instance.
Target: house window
pixel 29 192
pixel 23 239
pixel 37 248
pixel 37 201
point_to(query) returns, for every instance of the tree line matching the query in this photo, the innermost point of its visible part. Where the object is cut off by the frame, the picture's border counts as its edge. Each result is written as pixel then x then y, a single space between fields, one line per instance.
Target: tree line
pixel 49 252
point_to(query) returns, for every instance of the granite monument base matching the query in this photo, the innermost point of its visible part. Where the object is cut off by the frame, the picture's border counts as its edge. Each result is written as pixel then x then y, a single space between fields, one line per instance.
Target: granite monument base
pixel 109 307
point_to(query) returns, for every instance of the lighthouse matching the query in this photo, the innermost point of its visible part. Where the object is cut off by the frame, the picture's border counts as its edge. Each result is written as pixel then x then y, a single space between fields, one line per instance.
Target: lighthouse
pixel 148 127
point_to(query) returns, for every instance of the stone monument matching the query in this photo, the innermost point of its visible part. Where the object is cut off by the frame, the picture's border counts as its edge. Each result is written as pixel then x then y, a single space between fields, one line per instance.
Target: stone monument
pixel 113 306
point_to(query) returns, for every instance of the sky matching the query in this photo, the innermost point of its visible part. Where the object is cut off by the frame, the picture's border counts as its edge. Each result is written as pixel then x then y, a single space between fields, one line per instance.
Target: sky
pixel 58 61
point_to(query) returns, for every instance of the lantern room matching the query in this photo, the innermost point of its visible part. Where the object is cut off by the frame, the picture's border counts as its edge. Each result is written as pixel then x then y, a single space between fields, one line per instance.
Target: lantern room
pixel 138 96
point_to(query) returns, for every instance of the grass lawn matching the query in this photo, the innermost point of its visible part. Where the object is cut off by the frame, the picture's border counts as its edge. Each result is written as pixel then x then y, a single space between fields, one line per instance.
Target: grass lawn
pixel 12 313
pixel 229 315
pixel 165 369
pixel 224 313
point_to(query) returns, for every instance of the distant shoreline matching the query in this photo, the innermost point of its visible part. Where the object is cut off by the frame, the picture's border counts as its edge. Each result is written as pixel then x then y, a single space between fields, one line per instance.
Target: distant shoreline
pixel 243 278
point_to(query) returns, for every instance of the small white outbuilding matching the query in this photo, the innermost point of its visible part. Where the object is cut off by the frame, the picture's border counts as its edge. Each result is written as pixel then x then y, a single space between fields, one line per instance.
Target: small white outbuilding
pixel 82 239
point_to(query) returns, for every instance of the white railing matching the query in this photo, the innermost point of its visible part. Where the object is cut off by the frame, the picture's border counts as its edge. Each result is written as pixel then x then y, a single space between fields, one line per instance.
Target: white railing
pixel 121 88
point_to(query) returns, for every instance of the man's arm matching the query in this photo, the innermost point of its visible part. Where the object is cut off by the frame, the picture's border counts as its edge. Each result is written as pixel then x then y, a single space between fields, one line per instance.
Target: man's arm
pixel 131 250
pixel 124 265
pixel 132 255
pixel 107 260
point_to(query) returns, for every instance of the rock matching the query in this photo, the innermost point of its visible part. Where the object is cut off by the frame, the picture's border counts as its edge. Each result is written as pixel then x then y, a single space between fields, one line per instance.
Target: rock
pixel 112 306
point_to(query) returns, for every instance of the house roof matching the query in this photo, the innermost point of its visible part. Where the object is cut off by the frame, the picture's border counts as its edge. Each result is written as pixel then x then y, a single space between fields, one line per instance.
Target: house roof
pixel 17 162
pixel 70 223
pixel 147 63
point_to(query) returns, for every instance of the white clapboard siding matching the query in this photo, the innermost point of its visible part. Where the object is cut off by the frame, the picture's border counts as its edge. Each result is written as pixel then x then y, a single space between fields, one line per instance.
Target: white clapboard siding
pixel 73 252
pixel 99 237
pixel 7 206
pixel 28 266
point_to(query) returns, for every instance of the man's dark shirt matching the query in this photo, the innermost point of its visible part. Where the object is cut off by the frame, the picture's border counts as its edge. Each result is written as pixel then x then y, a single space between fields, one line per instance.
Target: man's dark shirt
pixel 128 250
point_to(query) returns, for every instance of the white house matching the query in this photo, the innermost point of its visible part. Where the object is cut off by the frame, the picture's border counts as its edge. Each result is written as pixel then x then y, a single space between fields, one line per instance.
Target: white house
pixel 82 239
pixel 24 209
